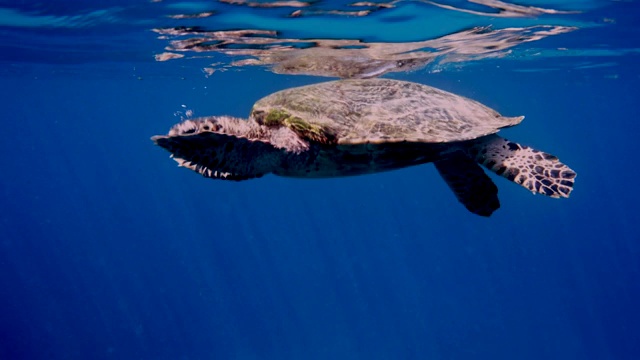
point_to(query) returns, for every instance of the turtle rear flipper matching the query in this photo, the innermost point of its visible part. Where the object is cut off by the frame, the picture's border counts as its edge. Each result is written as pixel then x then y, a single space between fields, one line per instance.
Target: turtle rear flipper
pixel 222 156
pixel 473 188
pixel 533 169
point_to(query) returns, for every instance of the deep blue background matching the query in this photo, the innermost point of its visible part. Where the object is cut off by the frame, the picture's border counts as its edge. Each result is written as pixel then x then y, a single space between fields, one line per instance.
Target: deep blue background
pixel 108 251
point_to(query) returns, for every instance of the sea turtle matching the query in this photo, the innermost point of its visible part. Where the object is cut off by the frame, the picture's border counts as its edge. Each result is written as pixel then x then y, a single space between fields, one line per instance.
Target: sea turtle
pixel 364 126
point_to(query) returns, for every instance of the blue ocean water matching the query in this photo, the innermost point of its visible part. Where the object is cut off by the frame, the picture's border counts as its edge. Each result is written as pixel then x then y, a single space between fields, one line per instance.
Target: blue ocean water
pixel 109 251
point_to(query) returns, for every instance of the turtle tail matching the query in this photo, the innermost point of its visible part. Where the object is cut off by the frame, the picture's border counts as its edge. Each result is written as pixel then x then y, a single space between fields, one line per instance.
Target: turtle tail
pixel 533 169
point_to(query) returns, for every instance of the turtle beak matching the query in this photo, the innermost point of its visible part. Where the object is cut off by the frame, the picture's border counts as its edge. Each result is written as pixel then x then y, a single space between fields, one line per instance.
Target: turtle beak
pixel 166 142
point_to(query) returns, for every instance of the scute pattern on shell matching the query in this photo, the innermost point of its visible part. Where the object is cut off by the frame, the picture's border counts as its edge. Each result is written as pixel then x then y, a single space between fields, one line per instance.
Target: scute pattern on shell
pixel 384 110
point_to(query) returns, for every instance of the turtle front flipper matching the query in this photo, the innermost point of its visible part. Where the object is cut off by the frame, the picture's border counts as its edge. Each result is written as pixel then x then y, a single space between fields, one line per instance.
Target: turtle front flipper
pixel 222 156
pixel 533 169
pixel 473 188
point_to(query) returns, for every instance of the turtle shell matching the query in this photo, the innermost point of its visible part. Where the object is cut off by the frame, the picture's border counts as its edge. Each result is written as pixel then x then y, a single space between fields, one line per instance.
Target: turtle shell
pixel 363 111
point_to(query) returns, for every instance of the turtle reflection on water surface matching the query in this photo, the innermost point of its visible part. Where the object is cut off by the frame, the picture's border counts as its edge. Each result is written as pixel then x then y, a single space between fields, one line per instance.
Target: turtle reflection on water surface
pixel 354 127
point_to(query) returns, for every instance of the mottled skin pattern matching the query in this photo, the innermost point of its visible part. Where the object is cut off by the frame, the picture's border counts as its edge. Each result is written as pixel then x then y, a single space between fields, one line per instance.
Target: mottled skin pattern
pixel 321 131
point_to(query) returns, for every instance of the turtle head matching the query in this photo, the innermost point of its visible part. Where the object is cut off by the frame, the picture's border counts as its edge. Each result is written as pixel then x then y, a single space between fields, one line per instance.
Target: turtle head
pixel 222 147
pixel 224 125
